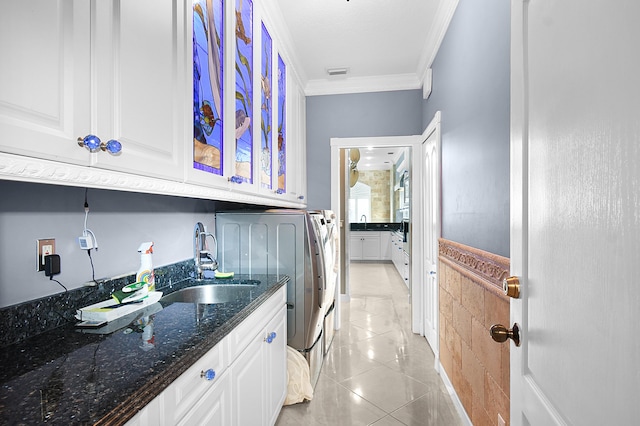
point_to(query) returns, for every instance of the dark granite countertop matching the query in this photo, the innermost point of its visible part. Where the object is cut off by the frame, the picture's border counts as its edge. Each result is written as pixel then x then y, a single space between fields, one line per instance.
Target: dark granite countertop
pixel 376 226
pixel 68 376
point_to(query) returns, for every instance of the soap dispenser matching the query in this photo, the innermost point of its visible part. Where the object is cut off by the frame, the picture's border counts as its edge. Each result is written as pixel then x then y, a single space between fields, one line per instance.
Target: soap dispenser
pixel 145 272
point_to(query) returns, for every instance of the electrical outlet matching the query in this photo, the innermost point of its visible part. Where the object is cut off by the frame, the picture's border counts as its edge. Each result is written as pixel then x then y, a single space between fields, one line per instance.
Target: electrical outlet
pixel 44 247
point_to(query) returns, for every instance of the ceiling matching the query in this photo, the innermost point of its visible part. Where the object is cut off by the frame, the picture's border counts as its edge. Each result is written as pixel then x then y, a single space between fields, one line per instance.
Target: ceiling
pixel 374 158
pixel 383 44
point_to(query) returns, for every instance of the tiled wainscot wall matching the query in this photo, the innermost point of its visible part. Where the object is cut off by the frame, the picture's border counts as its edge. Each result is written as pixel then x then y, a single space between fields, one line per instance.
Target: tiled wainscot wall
pixel 471 301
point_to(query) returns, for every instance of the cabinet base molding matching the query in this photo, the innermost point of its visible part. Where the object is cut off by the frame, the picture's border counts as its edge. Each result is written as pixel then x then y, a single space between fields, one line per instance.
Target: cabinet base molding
pixel 27 169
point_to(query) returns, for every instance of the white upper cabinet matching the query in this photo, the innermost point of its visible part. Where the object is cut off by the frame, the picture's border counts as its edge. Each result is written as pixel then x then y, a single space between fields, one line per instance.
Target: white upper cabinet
pixel 247 134
pixel 115 71
pixel 45 87
pixel 297 152
pixel 139 72
pixel 141 75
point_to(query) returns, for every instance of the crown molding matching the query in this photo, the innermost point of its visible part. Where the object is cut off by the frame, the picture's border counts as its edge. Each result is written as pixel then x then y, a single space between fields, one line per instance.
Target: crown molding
pixel 27 169
pixel 280 33
pixel 343 85
pixel 441 22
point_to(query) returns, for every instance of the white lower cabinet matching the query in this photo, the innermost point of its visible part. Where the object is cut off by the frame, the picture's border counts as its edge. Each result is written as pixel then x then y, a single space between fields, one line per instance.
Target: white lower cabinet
pixel 406 270
pixel 397 251
pixel 365 245
pixel 250 380
pixel 276 367
pixel 214 408
pixel 385 245
pixel 259 376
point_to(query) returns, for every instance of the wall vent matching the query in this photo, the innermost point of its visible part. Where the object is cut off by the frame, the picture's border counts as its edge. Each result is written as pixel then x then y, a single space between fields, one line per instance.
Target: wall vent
pixel 337 71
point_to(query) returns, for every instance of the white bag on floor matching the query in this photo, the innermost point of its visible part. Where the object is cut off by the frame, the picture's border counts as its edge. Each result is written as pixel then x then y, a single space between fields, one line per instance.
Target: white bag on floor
pixel 298 378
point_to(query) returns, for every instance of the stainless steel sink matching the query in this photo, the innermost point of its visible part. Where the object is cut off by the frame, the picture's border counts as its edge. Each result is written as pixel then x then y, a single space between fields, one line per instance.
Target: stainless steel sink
pixel 211 294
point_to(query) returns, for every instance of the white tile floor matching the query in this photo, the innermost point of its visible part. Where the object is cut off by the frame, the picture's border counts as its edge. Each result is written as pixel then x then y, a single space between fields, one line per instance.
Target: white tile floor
pixel 377 371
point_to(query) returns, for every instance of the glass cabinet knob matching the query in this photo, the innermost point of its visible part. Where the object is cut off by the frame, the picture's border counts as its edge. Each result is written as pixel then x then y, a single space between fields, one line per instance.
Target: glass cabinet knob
pixel 208 375
pixel 94 144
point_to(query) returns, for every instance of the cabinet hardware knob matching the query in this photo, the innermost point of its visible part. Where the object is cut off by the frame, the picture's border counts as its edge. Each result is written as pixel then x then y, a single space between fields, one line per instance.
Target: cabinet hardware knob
pixel 94 144
pixel 270 337
pixel 208 375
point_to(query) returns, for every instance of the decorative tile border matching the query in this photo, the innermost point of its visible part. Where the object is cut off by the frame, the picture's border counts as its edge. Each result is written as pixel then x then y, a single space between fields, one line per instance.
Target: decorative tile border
pixel 487 268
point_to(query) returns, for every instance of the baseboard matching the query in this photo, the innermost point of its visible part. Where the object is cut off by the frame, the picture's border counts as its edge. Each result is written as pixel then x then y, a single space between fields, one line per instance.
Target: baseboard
pixel 454 396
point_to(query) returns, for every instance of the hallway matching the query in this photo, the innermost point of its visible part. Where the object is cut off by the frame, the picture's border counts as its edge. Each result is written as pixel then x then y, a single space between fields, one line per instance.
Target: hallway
pixel 377 371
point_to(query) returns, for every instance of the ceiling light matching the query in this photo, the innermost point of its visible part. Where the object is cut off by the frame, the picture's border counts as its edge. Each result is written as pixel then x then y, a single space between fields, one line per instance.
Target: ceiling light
pixel 337 71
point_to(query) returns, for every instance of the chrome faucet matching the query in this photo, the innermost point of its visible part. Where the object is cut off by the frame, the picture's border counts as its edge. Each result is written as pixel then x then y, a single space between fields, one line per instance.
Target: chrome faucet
pixel 205 259
pixel 365 220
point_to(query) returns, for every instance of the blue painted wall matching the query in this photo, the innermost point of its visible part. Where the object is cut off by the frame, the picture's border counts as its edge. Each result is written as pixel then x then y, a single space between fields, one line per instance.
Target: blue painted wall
pixel 471 84
pixel 120 221
pixel 353 115
pixel 471 88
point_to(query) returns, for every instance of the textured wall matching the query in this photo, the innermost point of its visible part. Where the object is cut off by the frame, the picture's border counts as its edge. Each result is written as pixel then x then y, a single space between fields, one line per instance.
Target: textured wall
pixel 470 303
pixel 471 84
pixel 379 181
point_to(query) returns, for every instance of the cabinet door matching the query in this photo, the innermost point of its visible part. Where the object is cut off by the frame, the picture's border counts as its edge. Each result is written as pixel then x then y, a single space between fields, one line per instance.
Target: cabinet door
pixel 186 390
pixel 248 385
pixel 297 154
pixel 405 268
pixel 385 245
pixel 45 86
pixel 142 95
pixel 355 247
pixel 276 365
pixel 150 415
pixel 214 408
pixel 371 246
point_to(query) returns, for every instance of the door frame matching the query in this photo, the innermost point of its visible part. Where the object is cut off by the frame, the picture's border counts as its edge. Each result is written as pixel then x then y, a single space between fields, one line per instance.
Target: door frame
pixel 415 211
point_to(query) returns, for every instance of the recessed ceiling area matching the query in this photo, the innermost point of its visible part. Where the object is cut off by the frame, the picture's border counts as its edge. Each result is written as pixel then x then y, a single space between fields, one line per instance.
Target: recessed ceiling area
pixel 382 44
pixel 378 158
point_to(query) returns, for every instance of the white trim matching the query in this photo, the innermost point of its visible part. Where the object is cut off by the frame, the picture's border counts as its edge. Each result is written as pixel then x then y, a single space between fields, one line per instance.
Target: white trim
pixel 271 14
pixel 427 84
pixel 443 17
pixel 415 143
pixel 454 396
pixel 27 169
pixel 341 85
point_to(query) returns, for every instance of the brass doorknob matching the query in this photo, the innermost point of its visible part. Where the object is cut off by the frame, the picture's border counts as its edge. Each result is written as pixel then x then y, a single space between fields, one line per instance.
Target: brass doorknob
pixel 500 333
pixel 511 287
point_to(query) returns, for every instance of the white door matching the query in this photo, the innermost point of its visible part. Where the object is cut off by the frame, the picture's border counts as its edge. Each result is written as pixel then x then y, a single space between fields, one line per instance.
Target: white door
pixel 431 226
pixel 575 211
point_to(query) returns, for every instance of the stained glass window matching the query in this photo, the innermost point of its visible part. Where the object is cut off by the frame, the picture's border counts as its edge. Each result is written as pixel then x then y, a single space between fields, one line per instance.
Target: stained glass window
pixel 266 159
pixel 207 85
pixel 282 125
pixel 244 91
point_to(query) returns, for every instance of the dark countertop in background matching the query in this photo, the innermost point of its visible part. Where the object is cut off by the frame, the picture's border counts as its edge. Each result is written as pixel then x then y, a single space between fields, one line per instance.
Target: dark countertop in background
pixel 376 226
pixel 66 376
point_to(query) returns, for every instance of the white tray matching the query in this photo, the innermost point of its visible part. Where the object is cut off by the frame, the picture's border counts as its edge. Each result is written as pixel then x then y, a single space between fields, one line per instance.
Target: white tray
pixel 97 311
